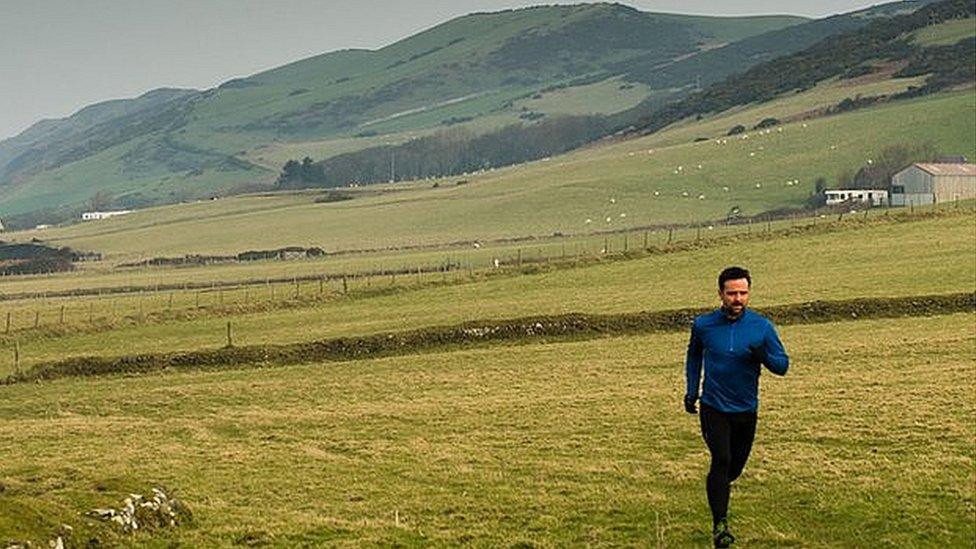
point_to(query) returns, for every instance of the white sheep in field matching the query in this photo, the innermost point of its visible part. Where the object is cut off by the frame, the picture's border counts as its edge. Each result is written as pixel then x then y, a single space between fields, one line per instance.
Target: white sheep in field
pixel 609 219
pixel 685 193
pixel 726 189
pixel 752 154
pixel 623 215
pixel 699 166
pixel 758 185
pixel 804 124
pixel 477 245
pixel 613 200
pixel 701 197
pixel 588 221
pixel 657 193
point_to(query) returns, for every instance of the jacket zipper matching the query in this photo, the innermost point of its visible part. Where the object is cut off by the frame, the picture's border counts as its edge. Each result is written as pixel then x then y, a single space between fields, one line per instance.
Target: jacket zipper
pixel 731 337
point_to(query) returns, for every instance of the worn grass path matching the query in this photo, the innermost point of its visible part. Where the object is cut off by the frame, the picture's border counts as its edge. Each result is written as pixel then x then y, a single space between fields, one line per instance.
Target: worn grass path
pixel 868 442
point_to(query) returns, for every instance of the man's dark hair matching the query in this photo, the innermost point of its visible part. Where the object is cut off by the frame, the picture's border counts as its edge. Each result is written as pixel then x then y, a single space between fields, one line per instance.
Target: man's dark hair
pixel 733 273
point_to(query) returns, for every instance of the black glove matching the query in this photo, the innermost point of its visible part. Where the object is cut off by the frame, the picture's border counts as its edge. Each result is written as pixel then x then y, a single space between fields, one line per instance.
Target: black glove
pixel 758 353
pixel 690 404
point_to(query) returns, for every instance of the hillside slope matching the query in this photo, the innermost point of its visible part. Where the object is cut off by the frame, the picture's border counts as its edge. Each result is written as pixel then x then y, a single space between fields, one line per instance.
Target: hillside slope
pixel 169 145
pixel 661 179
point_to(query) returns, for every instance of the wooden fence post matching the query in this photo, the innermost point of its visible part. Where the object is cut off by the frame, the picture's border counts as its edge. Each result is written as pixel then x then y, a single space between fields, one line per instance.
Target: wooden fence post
pixel 61 317
pixel 230 341
pixel 37 318
pixel 8 322
pixel 670 234
pixel 345 285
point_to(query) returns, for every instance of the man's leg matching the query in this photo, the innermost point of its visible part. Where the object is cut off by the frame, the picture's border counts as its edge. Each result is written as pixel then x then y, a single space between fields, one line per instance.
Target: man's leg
pixel 743 432
pixel 716 431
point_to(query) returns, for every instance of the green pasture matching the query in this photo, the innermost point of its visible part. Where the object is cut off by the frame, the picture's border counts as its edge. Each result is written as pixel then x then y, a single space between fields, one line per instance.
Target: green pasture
pixel 932 256
pixel 947 33
pixel 467 256
pixel 612 186
pixel 73 183
pixel 867 442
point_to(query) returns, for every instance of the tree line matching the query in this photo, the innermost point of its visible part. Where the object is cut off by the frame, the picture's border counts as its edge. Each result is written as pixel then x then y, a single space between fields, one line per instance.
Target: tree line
pixel 449 152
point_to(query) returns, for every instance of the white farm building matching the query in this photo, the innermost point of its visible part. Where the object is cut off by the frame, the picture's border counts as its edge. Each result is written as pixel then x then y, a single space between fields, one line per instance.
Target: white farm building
pixel 874 197
pixel 921 184
pixel 92 216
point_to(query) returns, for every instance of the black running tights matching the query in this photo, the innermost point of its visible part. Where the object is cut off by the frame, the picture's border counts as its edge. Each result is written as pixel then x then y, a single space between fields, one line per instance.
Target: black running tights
pixel 729 439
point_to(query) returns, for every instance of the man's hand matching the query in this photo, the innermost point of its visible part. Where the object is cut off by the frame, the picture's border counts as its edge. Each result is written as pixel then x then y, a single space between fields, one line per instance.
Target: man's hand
pixel 690 404
pixel 758 352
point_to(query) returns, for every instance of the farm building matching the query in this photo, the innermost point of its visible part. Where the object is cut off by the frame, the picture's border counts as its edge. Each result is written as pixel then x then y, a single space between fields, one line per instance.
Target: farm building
pixel 875 197
pixel 921 184
pixel 92 216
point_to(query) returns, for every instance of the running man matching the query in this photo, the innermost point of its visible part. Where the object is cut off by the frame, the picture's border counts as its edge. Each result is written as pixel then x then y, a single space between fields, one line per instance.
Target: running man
pixel 731 343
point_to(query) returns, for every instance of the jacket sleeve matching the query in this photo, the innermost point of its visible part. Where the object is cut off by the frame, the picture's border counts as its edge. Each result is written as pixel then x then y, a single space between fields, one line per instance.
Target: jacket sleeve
pixel 693 362
pixel 777 360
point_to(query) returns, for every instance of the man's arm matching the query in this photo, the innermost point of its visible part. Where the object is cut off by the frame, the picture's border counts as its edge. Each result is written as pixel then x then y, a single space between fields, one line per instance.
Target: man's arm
pixel 693 368
pixel 775 357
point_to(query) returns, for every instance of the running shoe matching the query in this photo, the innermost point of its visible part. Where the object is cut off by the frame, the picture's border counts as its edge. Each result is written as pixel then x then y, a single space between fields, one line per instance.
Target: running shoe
pixel 721 535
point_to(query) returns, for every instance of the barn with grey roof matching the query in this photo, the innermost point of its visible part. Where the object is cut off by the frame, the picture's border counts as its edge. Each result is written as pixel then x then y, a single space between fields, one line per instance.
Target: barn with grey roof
pixel 924 183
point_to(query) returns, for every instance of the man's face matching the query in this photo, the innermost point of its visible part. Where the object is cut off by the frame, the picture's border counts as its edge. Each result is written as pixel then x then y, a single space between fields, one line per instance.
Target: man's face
pixel 735 296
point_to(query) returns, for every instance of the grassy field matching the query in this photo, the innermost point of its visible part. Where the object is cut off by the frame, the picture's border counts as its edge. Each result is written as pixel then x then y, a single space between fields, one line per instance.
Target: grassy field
pixel 866 443
pixel 947 33
pixel 870 261
pixel 616 182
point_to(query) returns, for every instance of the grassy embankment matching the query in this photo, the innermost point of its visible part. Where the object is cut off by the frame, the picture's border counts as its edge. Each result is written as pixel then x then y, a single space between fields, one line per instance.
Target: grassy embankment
pixel 932 256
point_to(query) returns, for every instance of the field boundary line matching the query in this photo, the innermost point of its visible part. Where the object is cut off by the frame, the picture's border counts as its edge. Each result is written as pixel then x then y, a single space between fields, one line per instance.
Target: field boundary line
pixel 566 327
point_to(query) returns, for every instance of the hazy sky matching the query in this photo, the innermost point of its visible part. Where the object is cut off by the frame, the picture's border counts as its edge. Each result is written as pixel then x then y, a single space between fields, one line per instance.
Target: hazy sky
pixel 57 56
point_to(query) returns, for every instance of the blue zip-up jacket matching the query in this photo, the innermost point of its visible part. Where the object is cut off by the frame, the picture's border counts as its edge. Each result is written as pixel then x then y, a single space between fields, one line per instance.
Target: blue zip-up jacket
pixel 723 346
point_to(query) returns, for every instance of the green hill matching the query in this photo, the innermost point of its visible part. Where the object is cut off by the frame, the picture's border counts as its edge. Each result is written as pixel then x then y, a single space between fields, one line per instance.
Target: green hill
pixel 175 144
pixel 479 72
pixel 653 180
